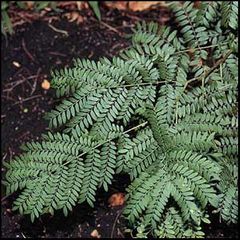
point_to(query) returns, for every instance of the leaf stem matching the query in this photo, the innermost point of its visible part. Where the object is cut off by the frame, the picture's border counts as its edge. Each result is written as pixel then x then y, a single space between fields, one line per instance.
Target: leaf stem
pixel 108 140
pixel 198 48
pixel 205 75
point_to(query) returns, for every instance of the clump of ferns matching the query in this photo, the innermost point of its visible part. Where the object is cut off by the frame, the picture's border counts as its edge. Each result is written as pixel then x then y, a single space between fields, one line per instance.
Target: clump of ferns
pixel 164 112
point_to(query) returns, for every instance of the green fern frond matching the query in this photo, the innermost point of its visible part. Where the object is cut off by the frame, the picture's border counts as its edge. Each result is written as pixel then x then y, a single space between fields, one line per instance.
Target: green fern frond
pixel 164 112
pixel 229 11
pixel 108 164
pixel 229 205
pixel 92 176
pixel 173 226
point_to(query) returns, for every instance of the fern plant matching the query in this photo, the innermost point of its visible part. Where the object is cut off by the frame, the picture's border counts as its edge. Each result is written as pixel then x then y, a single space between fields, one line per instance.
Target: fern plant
pixel 164 112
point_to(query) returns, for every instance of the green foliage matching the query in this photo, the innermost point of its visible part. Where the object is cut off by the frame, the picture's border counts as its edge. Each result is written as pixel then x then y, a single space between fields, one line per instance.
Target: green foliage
pixel 229 11
pixel 94 5
pixel 39 5
pixel 143 114
pixel 6 22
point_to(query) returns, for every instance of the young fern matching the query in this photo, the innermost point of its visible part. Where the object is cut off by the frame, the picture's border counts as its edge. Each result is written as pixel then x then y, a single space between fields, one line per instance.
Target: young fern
pixel 179 88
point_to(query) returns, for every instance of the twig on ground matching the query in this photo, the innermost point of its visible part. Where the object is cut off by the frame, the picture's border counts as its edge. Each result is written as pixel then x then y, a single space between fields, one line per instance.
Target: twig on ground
pixel 58 30
pixel 58 54
pixel 133 17
pixel 27 99
pixel 33 76
pixel 23 235
pixel 4 156
pixel 14 84
pixel 116 46
pixel 112 28
pixel 115 221
pixel 10 153
pixel 26 51
pixel 23 135
pixel 18 23
pixel 35 81
pixel 8 98
pixel 91 54
pixel 5 197
pixel 23 15
pixel 120 233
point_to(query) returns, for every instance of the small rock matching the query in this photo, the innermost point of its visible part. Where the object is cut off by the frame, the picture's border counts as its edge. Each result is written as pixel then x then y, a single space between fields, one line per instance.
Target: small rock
pixel 95 234
pixel 16 64
pixel 45 84
pixel 8 210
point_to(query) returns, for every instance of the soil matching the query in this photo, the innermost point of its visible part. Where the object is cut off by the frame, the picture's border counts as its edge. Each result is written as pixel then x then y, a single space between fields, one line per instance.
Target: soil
pixel 28 56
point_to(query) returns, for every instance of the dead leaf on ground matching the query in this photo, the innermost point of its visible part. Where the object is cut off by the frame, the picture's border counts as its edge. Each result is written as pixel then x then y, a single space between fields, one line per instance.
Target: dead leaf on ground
pixel 73 5
pixel 117 199
pixel 120 5
pixel 84 5
pixel 74 16
pixel 95 234
pixel 79 5
pixel 140 6
pixel 66 3
pixel 29 4
pixel 133 5
pixel 45 84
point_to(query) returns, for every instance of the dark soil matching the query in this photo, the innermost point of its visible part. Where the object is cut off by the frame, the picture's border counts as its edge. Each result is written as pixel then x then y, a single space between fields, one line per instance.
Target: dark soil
pixel 38 49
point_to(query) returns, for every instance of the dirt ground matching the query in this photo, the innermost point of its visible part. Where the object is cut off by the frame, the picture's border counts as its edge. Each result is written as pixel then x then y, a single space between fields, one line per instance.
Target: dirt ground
pixel 27 59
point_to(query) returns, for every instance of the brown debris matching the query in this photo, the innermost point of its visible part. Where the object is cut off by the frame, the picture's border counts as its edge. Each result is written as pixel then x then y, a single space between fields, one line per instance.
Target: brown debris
pixel 133 5
pixel 117 199
pixel 29 4
pixel 45 84
pixel 140 6
pixel 120 5
pixel 74 16
pixel 16 64
pixel 95 234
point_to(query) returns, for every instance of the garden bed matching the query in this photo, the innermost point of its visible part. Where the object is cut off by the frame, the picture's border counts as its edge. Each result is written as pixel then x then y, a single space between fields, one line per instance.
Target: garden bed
pixel 27 59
